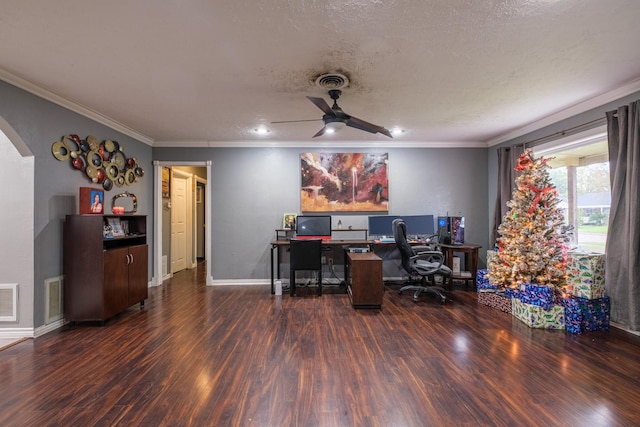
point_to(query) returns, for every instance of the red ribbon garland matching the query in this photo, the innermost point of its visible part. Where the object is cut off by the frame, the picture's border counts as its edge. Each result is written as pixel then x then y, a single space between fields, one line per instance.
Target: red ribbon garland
pixel 539 192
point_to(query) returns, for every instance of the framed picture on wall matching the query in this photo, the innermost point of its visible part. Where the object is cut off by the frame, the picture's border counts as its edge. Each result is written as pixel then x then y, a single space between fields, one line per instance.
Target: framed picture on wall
pixel 166 182
pixel 289 221
pixel 344 182
pixel 91 201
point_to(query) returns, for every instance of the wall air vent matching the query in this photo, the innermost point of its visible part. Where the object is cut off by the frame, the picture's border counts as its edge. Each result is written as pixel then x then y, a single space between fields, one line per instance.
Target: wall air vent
pixel 53 293
pixel 8 302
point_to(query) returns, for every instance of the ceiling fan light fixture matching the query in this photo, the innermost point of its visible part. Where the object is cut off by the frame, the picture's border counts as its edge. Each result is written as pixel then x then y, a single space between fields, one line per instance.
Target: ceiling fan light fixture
pixel 334 127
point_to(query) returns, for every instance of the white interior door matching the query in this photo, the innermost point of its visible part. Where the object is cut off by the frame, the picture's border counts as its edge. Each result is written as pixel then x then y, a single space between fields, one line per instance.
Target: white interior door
pixel 179 224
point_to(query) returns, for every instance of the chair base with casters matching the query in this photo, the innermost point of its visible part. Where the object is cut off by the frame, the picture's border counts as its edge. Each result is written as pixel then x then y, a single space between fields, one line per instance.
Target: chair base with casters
pixel 306 254
pixel 420 285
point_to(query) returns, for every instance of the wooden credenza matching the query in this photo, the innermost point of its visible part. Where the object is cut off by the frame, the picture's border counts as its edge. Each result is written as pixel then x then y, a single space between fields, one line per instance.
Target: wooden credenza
pixel 365 285
pixel 103 276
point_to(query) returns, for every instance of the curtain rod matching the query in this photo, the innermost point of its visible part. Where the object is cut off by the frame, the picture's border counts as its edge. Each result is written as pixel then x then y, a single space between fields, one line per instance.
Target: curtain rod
pixel 565 132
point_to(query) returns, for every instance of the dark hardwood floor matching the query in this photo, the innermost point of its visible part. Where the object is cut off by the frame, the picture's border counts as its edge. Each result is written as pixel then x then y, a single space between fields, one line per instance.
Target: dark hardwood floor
pixel 238 356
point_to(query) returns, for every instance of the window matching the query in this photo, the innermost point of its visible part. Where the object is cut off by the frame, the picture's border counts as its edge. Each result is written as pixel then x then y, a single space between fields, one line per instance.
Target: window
pixel 580 172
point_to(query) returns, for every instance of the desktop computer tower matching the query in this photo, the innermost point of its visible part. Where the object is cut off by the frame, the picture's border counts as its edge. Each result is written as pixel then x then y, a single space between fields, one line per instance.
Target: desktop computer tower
pixel 451 230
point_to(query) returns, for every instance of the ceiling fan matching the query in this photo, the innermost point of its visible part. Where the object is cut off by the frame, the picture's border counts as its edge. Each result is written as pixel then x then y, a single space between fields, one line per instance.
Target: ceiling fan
pixel 334 118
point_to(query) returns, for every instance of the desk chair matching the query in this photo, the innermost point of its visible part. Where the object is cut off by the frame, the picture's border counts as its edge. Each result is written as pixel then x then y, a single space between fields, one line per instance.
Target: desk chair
pixel 423 264
pixel 306 254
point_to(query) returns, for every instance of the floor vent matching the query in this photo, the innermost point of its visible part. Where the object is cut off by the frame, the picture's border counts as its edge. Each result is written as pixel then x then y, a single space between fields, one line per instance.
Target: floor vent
pixel 53 288
pixel 8 302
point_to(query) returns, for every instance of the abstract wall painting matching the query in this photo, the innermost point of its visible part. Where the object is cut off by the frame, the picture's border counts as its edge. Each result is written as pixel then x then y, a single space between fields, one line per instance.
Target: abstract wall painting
pixel 344 182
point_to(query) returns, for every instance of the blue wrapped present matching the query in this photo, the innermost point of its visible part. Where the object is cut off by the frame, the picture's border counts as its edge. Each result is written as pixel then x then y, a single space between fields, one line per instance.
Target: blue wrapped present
pixel 540 295
pixel 586 314
pixel 511 292
pixel 482 282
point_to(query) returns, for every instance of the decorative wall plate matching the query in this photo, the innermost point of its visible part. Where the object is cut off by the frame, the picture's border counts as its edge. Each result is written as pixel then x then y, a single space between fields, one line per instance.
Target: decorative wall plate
pixel 60 150
pixel 112 171
pixel 119 160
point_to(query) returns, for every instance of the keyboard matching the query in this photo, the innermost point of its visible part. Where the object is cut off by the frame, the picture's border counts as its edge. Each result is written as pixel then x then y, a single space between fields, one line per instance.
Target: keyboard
pixel 387 240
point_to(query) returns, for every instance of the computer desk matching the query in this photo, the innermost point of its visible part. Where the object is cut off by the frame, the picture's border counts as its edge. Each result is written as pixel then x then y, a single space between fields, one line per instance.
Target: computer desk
pixel 329 245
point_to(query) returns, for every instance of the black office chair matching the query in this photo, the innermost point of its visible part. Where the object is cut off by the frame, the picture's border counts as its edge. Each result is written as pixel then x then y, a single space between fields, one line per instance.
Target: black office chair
pixel 421 264
pixel 306 254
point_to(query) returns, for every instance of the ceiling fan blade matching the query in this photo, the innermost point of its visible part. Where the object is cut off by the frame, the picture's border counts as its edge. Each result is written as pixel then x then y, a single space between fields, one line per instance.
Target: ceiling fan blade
pixel 357 123
pixel 296 121
pixel 322 104
pixel 320 132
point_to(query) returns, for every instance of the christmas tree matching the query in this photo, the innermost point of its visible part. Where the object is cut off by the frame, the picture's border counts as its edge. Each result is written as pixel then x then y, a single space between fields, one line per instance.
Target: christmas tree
pixel 533 243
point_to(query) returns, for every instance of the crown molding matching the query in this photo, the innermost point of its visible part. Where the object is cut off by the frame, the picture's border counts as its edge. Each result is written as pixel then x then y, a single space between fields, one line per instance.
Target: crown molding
pixel 34 89
pixel 579 108
pixel 321 144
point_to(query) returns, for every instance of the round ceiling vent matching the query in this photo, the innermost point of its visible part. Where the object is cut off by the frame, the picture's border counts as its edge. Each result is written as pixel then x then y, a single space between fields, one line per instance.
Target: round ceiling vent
pixel 332 81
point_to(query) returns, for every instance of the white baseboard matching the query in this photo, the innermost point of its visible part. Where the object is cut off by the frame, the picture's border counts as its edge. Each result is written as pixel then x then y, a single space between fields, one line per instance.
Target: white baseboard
pixel 40 331
pixel 16 333
pixel 237 282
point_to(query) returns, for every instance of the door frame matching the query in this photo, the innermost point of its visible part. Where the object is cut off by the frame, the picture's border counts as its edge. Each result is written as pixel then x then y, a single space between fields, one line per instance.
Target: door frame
pixel 196 233
pixel 157 219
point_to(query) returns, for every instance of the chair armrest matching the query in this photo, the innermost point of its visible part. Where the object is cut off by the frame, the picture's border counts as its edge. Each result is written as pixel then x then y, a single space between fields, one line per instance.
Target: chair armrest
pixel 429 256
pixel 419 249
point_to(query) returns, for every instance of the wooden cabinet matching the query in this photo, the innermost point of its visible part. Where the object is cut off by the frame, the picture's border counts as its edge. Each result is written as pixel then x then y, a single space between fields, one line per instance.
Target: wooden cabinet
pixel 103 276
pixel 365 286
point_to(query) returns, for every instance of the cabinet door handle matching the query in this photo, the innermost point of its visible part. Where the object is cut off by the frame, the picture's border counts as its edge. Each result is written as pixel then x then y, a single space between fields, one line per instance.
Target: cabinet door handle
pixel 128 260
pixel 131 258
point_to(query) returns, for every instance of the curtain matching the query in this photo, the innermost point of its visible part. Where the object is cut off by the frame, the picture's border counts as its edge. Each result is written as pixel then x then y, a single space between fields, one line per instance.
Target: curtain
pixel 507 161
pixel 622 276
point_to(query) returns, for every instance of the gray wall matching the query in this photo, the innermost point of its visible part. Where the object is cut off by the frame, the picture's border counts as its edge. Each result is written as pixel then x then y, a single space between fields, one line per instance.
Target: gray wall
pixel 251 188
pixel 39 123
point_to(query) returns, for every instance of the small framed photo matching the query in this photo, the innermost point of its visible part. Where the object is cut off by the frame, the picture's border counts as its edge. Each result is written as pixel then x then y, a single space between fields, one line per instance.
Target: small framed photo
pixel 91 201
pixel 166 182
pixel 289 221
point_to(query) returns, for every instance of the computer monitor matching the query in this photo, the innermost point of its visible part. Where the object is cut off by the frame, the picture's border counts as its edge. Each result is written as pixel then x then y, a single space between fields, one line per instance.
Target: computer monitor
pixel 381 225
pixel 417 225
pixel 312 226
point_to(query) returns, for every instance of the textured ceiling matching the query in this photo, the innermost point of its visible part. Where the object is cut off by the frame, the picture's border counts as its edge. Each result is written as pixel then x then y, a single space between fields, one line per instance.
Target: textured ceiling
pixel 193 72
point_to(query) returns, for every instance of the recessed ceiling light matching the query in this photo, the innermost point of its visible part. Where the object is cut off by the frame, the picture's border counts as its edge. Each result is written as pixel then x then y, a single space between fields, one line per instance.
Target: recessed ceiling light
pixel 261 131
pixel 397 131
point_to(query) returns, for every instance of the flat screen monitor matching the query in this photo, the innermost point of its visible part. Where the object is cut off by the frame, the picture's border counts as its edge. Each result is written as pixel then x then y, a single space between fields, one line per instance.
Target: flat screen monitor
pixel 417 225
pixel 313 226
pixel 380 225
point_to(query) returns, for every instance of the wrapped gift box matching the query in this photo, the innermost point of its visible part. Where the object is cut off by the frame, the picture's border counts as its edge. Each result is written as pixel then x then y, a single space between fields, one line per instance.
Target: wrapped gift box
pixel 586 314
pixel 482 282
pixel 592 291
pixel 511 292
pixel 540 295
pixel 496 300
pixel 585 275
pixel 535 316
